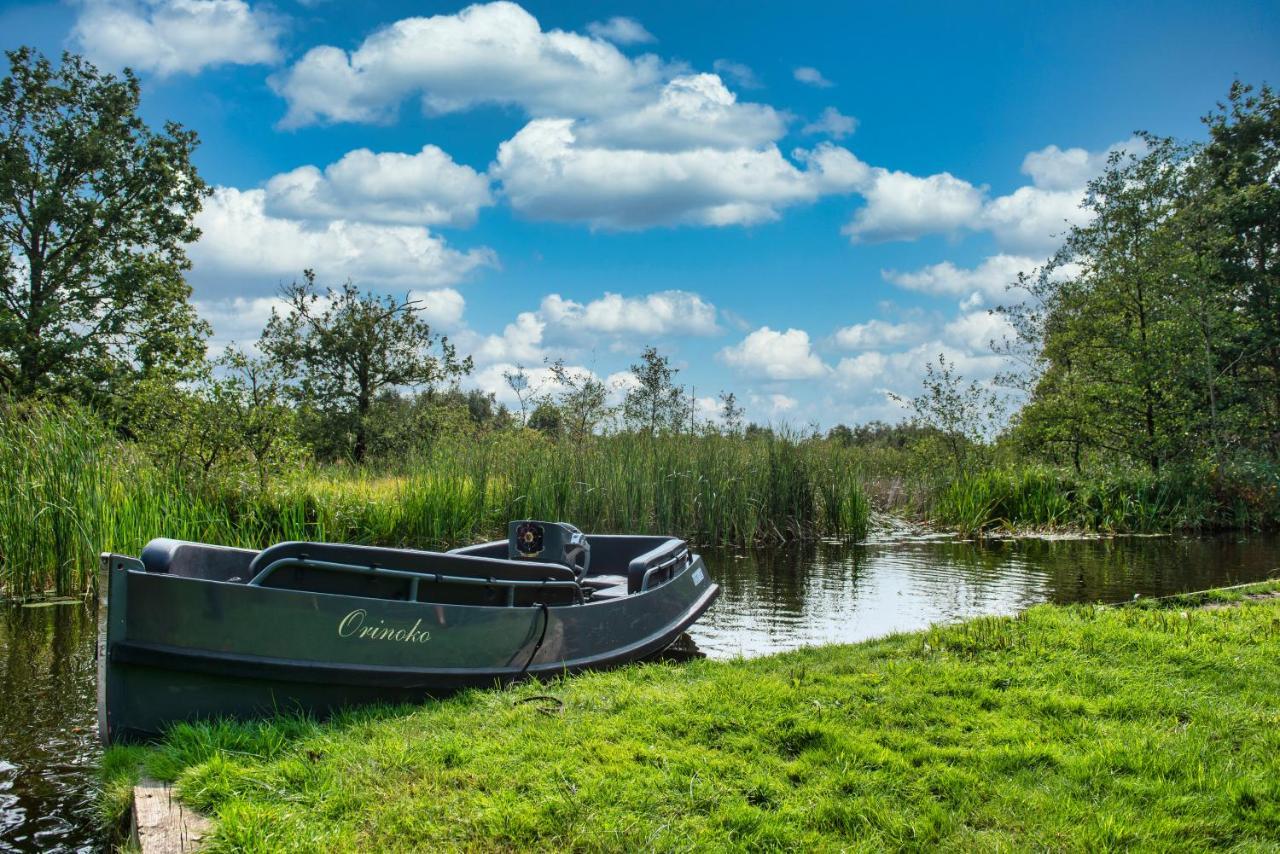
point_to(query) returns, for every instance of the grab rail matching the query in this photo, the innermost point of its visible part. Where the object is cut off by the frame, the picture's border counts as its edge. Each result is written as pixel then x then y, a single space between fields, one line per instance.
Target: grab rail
pixel 416 577
pixel 645 567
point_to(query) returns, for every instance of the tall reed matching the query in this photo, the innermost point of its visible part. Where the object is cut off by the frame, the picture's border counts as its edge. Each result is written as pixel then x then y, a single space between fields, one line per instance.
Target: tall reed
pixel 69 489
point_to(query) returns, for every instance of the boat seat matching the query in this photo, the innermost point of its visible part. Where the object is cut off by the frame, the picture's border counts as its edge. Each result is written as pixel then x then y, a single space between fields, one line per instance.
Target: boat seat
pixel 600 582
pixel 197 560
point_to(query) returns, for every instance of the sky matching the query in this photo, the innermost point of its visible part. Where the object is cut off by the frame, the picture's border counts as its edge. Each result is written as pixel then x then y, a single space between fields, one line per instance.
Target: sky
pixel 800 203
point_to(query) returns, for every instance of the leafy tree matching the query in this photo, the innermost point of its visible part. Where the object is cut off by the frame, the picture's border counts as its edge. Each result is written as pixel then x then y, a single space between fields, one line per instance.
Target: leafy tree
pixel 731 412
pixel 95 209
pixel 962 415
pixel 548 418
pixel 655 402
pixel 583 400
pixel 1232 220
pixel 528 395
pixel 344 347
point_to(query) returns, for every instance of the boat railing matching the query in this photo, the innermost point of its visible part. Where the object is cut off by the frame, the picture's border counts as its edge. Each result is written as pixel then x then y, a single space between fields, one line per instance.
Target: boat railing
pixel 415 577
pixel 650 565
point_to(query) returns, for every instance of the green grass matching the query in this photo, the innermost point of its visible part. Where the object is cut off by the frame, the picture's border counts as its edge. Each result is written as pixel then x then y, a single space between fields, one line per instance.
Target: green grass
pixel 1081 728
pixel 1018 498
pixel 69 490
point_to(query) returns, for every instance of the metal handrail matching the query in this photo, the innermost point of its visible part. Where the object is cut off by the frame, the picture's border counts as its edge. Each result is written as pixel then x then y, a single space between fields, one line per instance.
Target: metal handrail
pixel 416 577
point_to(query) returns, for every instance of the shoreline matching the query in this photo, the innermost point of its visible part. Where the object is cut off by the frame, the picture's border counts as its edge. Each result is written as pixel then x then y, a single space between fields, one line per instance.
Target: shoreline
pixel 1064 726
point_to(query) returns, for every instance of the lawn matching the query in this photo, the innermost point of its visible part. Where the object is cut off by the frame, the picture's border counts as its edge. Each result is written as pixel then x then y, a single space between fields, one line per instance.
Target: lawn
pixel 1071 728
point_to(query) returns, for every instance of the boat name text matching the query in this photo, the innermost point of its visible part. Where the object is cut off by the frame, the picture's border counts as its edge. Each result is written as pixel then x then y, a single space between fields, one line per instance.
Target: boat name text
pixel 353 625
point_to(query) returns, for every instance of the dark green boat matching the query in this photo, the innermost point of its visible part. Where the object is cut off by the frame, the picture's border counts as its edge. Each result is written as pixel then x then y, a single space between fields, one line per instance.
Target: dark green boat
pixel 200 631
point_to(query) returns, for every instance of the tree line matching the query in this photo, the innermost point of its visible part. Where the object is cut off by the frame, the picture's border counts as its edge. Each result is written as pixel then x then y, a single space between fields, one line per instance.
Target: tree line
pixel 1152 337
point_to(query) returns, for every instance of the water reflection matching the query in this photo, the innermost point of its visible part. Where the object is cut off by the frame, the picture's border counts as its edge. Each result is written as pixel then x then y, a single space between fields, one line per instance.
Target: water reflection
pixel 48 732
pixel 781 600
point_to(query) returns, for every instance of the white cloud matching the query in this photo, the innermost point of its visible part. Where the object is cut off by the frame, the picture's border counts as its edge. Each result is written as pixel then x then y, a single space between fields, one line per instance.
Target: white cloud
pixel 775 355
pixel 991 278
pixel 901 371
pixel 812 77
pixel 442 307
pixel 833 123
pixel 875 334
pixel 426 188
pixel 1053 168
pixel 561 327
pixel 242 244
pixel 738 72
pixel 491 53
pixel 658 314
pixel 902 206
pixel 239 319
pixel 693 111
pixel 547 174
pixel 620 30
pixel 977 330
pixel 176 36
pixel 490 379
pixel 1031 220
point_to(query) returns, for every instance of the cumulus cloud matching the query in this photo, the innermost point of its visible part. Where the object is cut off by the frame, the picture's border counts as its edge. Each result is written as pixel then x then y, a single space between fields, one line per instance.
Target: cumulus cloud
pixel 902 206
pixel 741 74
pixel 566 326
pixel 901 371
pixel 991 278
pixel 167 37
pixel 426 188
pixel 875 334
pixel 547 173
pixel 693 111
pixel 1031 220
pixel 811 77
pixel 242 243
pixel 832 123
pixel 490 53
pixel 774 355
pixel 620 30
pixel 978 330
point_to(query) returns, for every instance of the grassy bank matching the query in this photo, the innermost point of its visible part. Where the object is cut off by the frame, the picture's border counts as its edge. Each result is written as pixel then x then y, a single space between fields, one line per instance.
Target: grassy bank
pixel 1236 496
pixel 1064 729
pixel 69 489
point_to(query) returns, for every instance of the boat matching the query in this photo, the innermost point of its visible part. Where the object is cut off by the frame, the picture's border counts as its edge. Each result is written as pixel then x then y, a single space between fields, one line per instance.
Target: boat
pixel 196 631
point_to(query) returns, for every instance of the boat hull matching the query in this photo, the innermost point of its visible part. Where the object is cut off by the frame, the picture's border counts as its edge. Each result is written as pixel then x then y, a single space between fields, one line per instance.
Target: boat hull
pixel 181 649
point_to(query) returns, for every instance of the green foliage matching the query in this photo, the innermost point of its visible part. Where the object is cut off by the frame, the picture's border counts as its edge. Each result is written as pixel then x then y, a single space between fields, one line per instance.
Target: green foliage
pixel 654 402
pixel 69 489
pixel 1154 335
pixel 95 210
pixel 1062 729
pixel 1133 500
pixel 953 418
pixel 344 347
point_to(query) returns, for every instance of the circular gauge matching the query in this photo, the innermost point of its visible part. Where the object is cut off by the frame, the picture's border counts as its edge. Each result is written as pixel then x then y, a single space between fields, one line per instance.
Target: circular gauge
pixel 529 539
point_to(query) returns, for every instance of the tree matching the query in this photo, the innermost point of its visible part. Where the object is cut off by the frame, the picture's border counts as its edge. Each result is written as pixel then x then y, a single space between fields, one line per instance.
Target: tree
pixel 655 402
pixel 343 347
pixel 95 209
pixel 547 418
pixel 528 395
pixel 583 399
pixel 731 412
pixel 1232 218
pixel 962 415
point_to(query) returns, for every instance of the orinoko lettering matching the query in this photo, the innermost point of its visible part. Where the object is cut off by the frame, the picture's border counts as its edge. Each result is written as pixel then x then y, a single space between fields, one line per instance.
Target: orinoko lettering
pixel 353 625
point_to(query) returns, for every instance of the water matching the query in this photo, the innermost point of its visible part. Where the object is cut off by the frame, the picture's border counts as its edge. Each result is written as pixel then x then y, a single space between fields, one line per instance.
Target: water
pixel 783 599
pixel 771 602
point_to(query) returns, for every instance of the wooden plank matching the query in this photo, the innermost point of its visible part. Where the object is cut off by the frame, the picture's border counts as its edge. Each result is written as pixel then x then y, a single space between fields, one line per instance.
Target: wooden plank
pixel 161 824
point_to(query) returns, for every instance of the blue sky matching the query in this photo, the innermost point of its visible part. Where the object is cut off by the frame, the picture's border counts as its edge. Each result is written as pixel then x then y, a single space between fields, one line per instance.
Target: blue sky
pixel 801 203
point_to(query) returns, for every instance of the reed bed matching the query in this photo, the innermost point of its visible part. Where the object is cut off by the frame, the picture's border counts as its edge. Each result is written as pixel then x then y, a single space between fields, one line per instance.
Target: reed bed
pixel 1238 496
pixel 69 490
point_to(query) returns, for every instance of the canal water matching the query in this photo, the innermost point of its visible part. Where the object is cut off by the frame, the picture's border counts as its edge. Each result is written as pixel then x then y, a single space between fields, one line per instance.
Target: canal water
pixel 771 601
